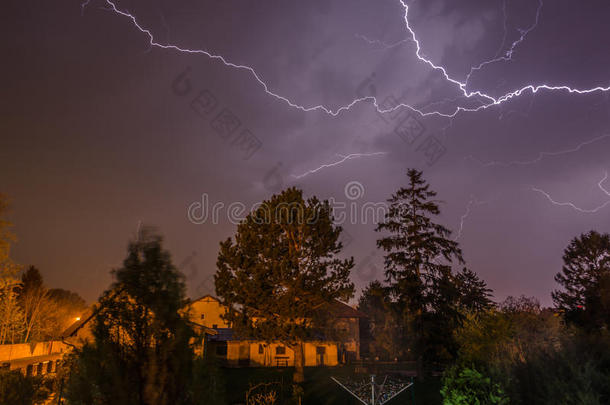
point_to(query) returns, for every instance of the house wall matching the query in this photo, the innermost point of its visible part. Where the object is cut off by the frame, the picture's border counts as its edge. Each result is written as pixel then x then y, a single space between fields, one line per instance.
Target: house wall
pixel 33 358
pixel 349 328
pixel 207 311
pixel 330 357
pixel 25 350
pixel 247 353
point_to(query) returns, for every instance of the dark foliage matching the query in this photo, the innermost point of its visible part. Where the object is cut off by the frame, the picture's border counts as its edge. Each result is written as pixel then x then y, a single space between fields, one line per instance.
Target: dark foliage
pixel 577 372
pixel 468 386
pixel 17 389
pixel 585 278
pixel 281 274
pixel 380 337
pixel 140 353
pixel 429 299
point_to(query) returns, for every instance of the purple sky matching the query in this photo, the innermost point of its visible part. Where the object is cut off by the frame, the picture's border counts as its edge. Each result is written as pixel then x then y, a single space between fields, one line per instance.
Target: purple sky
pixel 96 139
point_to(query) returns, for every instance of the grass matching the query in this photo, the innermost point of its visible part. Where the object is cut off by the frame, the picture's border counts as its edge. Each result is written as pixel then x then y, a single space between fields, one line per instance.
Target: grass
pixel 319 388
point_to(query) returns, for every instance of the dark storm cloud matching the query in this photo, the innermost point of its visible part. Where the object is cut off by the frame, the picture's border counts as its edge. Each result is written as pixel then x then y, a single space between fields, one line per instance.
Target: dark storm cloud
pixel 95 139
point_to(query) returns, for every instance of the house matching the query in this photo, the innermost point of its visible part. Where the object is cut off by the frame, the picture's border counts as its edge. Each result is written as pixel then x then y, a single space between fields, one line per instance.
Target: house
pixel 33 358
pixel 208 311
pixel 80 331
pixel 218 339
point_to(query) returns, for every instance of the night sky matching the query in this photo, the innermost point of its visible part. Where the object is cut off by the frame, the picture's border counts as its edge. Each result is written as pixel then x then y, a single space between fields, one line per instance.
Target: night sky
pixel 102 132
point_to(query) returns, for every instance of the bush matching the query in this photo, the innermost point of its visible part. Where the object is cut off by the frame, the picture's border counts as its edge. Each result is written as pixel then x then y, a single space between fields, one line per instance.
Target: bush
pixel 17 389
pixel 208 383
pixel 467 386
pixel 576 373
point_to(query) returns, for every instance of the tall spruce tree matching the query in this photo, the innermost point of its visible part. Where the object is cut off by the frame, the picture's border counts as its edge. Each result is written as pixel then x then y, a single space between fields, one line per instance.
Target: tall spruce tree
pixel 418 262
pixel 281 274
pixel 585 279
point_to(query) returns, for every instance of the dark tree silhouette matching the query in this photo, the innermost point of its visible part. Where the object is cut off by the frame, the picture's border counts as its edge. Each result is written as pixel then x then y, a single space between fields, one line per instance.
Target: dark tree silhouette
pixel 140 352
pixel 280 275
pixel 473 292
pixel 585 278
pixel 418 261
pixel 381 334
pixel 34 301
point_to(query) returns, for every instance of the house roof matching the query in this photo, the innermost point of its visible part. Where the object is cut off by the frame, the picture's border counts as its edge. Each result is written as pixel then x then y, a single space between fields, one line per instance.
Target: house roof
pixel 342 310
pixel 222 335
pixel 77 325
pixel 90 313
pixel 205 296
pixel 339 309
pixel 204 329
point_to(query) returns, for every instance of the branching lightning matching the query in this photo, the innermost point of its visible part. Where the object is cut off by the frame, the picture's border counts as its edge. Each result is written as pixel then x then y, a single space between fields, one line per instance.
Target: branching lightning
pixel 508 54
pixel 540 156
pixel 488 100
pixel 344 158
pixel 574 206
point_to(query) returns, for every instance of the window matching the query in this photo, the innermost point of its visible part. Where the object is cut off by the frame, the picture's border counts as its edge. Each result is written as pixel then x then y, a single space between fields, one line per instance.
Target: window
pixel 202 316
pixel 221 350
pixel 280 350
pixel 320 350
pixel 214 326
pixel 261 349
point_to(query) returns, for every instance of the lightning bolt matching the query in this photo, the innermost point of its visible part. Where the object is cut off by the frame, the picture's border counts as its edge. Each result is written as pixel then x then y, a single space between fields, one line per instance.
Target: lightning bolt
pixel 473 201
pixel 83 6
pixel 139 231
pixel 489 101
pixel 384 45
pixel 602 187
pixel 508 55
pixel 344 158
pixel 574 206
pixel 540 156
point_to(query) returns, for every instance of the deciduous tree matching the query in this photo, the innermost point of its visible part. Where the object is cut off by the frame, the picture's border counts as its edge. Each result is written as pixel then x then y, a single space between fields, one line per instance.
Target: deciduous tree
pixel 67 306
pixel 12 322
pixel 36 306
